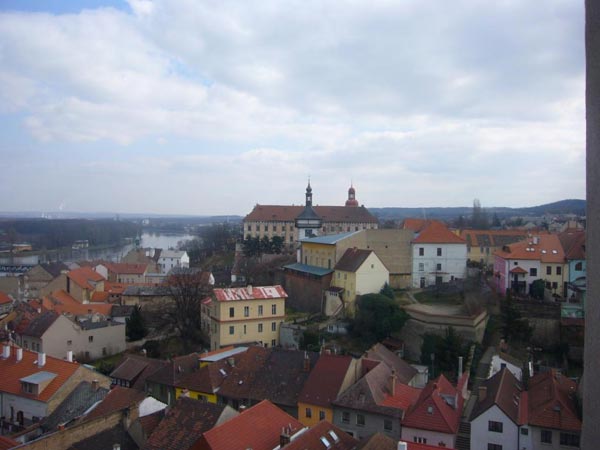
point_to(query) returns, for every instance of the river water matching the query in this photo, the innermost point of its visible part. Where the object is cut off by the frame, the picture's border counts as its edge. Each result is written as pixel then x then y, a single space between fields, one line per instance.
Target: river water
pixel 154 240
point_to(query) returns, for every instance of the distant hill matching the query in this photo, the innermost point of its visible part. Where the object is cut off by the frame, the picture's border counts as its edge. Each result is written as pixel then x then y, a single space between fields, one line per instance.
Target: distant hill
pixel 561 207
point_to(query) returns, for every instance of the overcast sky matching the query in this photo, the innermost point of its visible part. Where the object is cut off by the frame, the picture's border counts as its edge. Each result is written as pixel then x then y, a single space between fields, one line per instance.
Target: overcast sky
pixel 209 107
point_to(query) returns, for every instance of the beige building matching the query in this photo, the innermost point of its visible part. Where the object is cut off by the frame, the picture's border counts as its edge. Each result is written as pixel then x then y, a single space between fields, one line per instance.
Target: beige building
pixel 39 276
pixel 481 244
pixel 78 283
pixel 280 220
pixel 244 315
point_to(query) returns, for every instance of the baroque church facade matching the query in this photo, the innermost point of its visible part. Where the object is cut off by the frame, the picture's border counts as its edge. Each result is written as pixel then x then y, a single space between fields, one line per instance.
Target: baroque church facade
pixel 293 223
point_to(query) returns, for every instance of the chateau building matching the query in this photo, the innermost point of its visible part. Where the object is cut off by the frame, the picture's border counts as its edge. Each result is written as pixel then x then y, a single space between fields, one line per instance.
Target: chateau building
pixel 296 222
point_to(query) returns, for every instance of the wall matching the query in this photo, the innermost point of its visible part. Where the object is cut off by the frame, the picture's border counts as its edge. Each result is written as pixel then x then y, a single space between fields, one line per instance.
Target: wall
pixel 320 255
pixel 371 276
pixel 453 261
pixel 481 436
pixel 31 408
pixel 433 438
pixel 60 282
pixel 496 366
pixel 314 419
pixel 393 247
pixel 536 443
pixel 305 292
pixel 374 423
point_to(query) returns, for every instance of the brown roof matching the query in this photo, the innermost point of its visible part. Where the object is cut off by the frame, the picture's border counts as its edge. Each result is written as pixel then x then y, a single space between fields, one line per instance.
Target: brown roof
pixel 125 268
pixel 258 428
pixel 352 259
pixel 150 422
pixel 13 371
pixel 518 270
pixel 404 371
pixel 4 298
pixel 492 238
pixel 40 324
pixel 325 380
pixel 573 242
pixel 378 441
pixel 504 391
pixel 278 213
pixel 208 379
pixel 436 232
pixel 313 438
pixel 547 250
pixel 136 368
pixel 7 443
pixel 171 372
pixel 118 398
pixel 552 404
pixel 85 276
pixel 184 424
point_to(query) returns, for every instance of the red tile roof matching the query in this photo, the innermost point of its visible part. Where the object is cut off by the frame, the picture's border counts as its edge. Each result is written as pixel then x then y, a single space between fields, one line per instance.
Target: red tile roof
pixel 12 371
pixel 256 293
pixel 415 224
pixel 432 411
pixel 504 391
pixel 84 275
pixel 258 428
pixel 437 233
pixel 4 298
pixel 62 302
pixel 551 402
pixel 7 443
pixel 492 238
pixel 519 270
pixel 547 250
pixel 277 213
pixel 404 397
pixel 325 380
pixel 313 438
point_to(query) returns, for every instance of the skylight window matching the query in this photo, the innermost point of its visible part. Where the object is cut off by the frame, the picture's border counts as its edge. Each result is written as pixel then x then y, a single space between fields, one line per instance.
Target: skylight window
pixel 325 442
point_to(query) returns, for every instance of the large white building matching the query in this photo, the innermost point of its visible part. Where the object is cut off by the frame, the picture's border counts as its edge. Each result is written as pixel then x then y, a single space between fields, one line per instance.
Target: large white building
pixel 169 259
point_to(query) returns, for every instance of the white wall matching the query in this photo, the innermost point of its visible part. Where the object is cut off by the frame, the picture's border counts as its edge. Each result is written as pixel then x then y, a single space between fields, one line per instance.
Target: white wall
pixel 31 408
pixel 433 437
pixel 526 264
pixel 370 280
pixel 453 261
pixel 496 366
pixel 481 436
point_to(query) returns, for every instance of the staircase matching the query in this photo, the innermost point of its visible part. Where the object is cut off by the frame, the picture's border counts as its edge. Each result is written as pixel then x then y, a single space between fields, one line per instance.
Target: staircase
pixel 463 438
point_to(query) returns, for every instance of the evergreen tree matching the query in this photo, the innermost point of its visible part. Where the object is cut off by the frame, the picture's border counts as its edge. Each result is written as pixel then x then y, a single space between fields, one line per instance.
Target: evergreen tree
pixel 387 291
pixel 135 328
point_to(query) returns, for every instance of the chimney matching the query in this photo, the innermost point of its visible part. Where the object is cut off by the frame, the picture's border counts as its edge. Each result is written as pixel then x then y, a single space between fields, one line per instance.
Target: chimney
pixel 393 378
pixel 95 385
pixel 249 289
pixel 70 356
pixel 39 310
pixel 482 393
pixel 6 352
pixel 402 445
pixel 41 359
pixel 306 367
pixel 460 366
pixel 231 361
pixel 116 446
pixel 19 354
pixel 284 437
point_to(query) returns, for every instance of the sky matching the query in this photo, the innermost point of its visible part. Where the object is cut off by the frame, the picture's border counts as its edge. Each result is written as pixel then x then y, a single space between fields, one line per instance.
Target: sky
pixel 210 107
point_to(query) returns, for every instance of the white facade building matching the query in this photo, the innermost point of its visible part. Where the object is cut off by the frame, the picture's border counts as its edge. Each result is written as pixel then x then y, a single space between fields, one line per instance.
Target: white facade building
pixel 169 259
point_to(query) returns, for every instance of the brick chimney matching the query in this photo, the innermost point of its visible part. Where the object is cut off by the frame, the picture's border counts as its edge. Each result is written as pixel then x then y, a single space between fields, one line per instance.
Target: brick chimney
pixel 482 393
pixel 393 378
pixel 306 366
pixel 284 437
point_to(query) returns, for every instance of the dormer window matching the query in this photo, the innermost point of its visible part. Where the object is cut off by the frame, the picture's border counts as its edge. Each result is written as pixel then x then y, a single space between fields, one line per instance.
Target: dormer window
pixel 36 383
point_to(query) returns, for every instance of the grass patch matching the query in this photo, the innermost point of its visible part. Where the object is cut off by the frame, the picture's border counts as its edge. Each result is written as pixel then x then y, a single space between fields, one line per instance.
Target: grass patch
pixel 432 297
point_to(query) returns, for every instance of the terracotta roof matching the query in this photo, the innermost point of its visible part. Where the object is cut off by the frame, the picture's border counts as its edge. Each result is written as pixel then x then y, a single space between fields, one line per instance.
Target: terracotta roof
pixel 7 443
pixel 432 410
pixel 325 380
pixel 519 269
pixel 547 250
pixel 12 371
pixel 378 441
pixel 259 428
pixel 437 233
pixel 551 402
pixel 118 398
pixel 492 238
pixel 84 276
pixel 208 379
pixel 100 296
pixel 313 438
pixel 504 391
pixel 415 224
pixel 4 298
pixel 136 368
pixel 150 422
pixel 404 397
pixel 126 268
pixel 573 242
pixel 277 213
pixel 256 293
pixel 240 378
pixel 352 259
pixel 40 324
pixel 404 371
pixel 62 302
pixel 184 424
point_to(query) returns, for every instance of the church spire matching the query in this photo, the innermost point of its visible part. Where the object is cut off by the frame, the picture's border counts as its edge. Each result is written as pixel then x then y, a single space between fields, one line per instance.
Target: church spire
pixel 351 196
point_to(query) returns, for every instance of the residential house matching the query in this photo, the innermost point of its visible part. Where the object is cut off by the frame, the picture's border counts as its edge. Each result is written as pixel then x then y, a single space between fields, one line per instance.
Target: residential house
pixel 261 427
pixel 358 272
pixel 39 276
pixel 6 303
pixel 88 339
pixel 127 273
pixel 573 243
pixel 499 417
pixel 540 257
pixel 438 255
pixel 482 244
pixel 148 297
pixel 170 259
pixel 325 251
pixel 162 384
pixel 503 360
pixel 405 373
pixel 245 315
pixel 185 423
pixel 435 417
pixel 33 385
pixel 324 435
pixel 63 303
pixel 276 220
pixel 331 375
pixel 133 370
pixel 305 285
pixel 78 283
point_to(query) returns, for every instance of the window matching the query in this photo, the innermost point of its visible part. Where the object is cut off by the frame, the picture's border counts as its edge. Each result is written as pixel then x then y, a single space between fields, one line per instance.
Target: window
pixel 549 270
pixel 260 310
pixel 558 270
pixel 273 342
pixel 387 424
pixel 554 285
pixel 260 327
pixel 308 413
pixel 345 417
pixel 494 447
pixel 273 309
pixel 231 329
pixel 103 351
pixel 321 415
pixel 420 440
pixel 421 251
pixel 525 431
pixel 360 420
pixel 69 342
pixel 579 266
pixel 274 326
pixel 90 338
pixel 231 312
pixel 246 311
pixel 546 437
pixel 533 272
pixel 249 227
pixel 439 251
pixel 495 426
pixel 438 267
pixel 569 439
pixel 421 267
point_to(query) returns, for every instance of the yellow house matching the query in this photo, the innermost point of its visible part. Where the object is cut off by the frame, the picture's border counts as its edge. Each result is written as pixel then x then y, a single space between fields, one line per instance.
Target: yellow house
pixel 245 315
pixel 482 244
pixel 358 272
pixel 331 375
pixel 326 251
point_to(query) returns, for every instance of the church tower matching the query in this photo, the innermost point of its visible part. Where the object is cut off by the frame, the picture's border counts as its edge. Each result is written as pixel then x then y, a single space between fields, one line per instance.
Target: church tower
pixel 308 222
pixel 351 197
